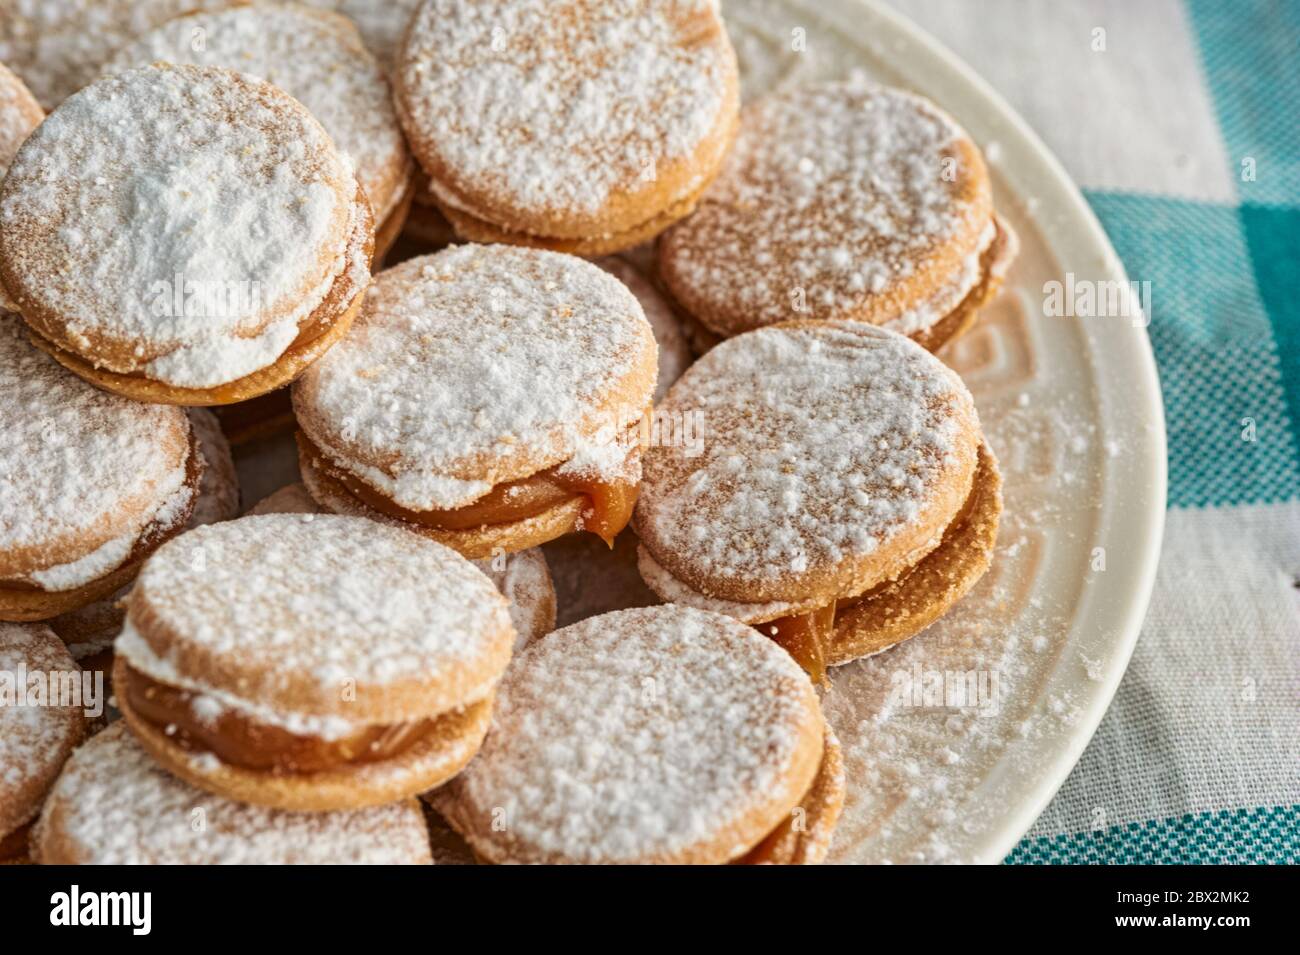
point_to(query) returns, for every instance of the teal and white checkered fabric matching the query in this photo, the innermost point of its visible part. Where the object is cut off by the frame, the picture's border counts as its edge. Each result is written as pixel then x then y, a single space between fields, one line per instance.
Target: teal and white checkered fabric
pixel 1183 130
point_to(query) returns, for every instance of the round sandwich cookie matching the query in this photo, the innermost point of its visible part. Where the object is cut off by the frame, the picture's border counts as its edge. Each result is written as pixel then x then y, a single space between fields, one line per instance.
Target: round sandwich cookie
pixel 489 398
pixel 309 661
pixel 844 498
pixel 90 483
pixel 523 578
pixel 89 631
pixel 38 727
pixel 583 126
pixel 843 200
pixel 318 58
pixel 114 805
pixel 184 235
pixel 657 735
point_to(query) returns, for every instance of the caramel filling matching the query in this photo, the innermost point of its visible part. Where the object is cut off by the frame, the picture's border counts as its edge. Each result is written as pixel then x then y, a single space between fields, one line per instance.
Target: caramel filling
pixel 805 637
pixel 239 741
pixel 611 502
pixel 14 845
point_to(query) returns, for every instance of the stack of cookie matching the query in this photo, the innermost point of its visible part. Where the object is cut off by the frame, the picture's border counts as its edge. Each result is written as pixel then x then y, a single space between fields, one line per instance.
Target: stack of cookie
pixel 491 438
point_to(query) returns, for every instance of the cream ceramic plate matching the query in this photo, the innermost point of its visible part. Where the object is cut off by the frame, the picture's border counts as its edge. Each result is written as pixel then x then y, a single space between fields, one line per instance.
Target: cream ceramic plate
pixel 1072 408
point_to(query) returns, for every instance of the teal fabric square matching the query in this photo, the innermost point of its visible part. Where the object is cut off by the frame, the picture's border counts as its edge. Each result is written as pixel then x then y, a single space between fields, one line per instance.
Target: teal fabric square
pixel 1232 437
pixel 1256 836
pixel 1273 239
pixel 1248 48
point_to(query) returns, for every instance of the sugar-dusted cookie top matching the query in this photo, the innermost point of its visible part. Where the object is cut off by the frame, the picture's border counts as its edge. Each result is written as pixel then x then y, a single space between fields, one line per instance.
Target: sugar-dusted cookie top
pixel 831 452
pixel 839 200
pixel 663 734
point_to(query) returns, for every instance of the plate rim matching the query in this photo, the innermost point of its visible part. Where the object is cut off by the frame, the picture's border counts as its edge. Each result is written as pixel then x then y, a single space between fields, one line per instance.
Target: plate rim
pixel 1124 603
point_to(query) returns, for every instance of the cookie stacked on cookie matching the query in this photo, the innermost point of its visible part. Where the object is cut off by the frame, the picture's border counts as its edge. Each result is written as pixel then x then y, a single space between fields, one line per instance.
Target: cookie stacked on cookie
pixel 845 498
pixel 196 223
pixel 484 400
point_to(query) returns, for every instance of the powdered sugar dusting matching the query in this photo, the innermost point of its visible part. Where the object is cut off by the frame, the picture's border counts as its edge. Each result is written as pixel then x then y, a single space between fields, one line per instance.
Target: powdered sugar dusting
pixel 19 115
pixel 635 735
pixel 310 601
pixel 822 442
pixel 832 192
pixel 72 457
pixel 57 46
pixel 118 807
pixel 948 296
pixel 525 581
pixel 471 367
pixel 314 57
pixel 523 577
pixel 100 561
pixel 674 591
pixel 382 23
pixel 144 182
pixel 560 104
pixel 674 351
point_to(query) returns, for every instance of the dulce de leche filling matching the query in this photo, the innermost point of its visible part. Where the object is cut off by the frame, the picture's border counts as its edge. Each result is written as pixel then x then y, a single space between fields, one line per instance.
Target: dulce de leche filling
pixel 806 636
pixel 610 501
pixel 237 740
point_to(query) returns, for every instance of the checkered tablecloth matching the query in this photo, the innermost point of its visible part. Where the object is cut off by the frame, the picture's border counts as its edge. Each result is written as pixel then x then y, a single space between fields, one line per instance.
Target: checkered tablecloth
pixel 1180 119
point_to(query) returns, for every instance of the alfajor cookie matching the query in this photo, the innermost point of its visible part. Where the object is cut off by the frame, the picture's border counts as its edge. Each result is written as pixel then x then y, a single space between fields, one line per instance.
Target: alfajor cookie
pixel 316 57
pixel 114 805
pixel 89 631
pixel 489 398
pixel 38 730
pixel 843 200
pixel 90 483
pixel 184 235
pixel 582 126
pixel 658 735
pixel 310 662
pixel 523 578
pixel 844 497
